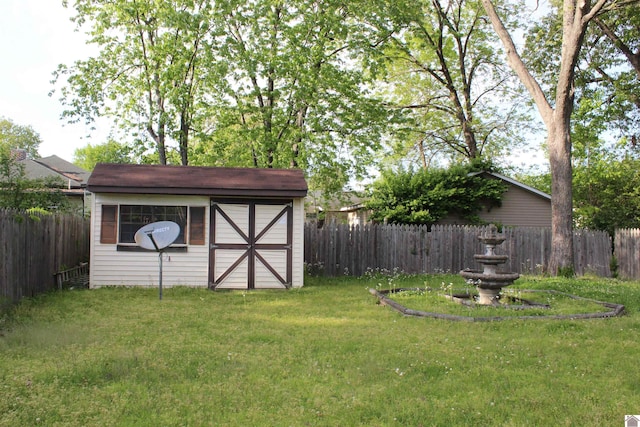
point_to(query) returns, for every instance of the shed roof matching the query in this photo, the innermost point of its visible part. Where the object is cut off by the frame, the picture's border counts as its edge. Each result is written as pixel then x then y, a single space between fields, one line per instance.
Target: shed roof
pixel 197 180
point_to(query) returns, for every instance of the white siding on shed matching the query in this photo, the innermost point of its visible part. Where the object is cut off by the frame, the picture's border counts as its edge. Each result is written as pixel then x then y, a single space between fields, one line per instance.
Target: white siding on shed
pixel 298 243
pixel 112 267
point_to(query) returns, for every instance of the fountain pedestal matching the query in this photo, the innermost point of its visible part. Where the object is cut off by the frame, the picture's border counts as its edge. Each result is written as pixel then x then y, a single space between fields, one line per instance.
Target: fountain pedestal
pixel 489 281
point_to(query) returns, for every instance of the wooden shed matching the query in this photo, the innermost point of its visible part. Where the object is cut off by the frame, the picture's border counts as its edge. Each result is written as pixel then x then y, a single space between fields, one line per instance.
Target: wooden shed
pixel 240 228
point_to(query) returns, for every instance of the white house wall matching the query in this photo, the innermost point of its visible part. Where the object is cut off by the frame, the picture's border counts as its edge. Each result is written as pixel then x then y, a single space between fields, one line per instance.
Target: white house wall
pixel 112 267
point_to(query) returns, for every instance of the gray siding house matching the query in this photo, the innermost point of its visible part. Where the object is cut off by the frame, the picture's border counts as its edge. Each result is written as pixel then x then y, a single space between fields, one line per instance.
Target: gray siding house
pixel 73 179
pixel 522 206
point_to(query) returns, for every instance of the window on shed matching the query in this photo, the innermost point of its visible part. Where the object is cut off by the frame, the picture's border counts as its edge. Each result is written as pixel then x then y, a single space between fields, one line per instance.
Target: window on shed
pixel 132 217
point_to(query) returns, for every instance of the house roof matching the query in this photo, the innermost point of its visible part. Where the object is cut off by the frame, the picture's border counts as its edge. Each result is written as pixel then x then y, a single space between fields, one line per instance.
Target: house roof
pixel 515 183
pixel 65 168
pixel 55 167
pixel 344 202
pixel 197 180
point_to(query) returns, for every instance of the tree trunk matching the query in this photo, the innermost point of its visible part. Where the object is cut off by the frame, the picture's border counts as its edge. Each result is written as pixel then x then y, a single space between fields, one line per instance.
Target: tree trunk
pixel 559 143
pixel 576 16
pixel 158 138
pixel 184 139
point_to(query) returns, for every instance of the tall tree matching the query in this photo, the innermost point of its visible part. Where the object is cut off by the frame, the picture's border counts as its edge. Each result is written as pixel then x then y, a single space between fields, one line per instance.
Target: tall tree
pixel 443 65
pixel 14 136
pixel 270 85
pixel 556 116
pixel 608 69
pixel 150 72
pixel 294 95
pixel 110 152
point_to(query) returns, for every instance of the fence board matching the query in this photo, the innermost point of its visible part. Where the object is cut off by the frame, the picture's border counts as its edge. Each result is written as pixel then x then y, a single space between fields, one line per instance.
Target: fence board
pixel 342 249
pixel 34 248
pixel 627 253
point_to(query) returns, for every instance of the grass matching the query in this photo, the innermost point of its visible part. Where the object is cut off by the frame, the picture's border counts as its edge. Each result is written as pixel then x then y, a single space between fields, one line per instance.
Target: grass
pixel 324 355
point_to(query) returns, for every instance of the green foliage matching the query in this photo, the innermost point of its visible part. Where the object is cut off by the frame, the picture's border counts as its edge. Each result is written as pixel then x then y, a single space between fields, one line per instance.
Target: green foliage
pixel 14 136
pixel 426 196
pixel 244 83
pixel 36 213
pixel 538 180
pixel 110 152
pixel 291 99
pixel 18 192
pixel 608 70
pixel 444 69
pixel 152 72
pixel 606 180
pixel 607 193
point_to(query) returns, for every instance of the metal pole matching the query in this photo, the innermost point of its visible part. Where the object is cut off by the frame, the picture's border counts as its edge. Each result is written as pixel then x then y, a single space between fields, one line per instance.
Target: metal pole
pixel 160 286
pixel 150 234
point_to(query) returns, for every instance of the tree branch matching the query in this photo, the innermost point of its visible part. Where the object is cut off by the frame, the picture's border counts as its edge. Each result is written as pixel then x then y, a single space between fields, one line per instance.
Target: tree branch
pixel 514 59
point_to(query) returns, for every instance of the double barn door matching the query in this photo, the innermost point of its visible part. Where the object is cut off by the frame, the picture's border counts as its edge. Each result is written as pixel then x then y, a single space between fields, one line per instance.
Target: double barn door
pixel 251 243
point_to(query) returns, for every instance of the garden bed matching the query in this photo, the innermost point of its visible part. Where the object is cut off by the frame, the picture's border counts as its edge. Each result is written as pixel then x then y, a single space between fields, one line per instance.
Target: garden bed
pixel 460 306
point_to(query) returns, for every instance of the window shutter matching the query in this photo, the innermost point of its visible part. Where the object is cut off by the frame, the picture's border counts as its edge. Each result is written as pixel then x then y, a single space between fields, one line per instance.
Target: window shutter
pixel 196 225
pixel 109 224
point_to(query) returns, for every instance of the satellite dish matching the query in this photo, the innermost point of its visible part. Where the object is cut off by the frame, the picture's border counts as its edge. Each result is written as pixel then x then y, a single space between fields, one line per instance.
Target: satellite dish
pixel 157 235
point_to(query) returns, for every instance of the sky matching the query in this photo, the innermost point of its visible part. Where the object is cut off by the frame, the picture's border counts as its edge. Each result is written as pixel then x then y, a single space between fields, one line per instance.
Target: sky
pixel 36 36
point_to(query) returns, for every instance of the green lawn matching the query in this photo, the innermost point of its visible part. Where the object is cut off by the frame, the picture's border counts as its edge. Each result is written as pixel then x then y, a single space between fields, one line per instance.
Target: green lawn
pixel 324 355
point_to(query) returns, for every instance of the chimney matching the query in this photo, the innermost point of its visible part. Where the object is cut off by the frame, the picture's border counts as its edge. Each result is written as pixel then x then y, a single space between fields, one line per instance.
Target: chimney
pixel 19 154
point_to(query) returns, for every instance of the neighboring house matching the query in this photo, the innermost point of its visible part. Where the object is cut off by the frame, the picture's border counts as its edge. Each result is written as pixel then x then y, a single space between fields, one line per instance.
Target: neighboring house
pixel 522 206
pixel 240 228
pixel 73 179
pixel 348 209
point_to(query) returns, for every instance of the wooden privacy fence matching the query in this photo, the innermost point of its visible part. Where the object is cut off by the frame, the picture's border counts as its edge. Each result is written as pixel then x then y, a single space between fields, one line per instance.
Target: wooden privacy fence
pixel 338 249
pixel 627 252
pixel 33 249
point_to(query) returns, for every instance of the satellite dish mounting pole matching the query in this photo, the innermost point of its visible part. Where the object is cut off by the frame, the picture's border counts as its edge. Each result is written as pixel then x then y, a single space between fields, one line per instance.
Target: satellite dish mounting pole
pixel 150 234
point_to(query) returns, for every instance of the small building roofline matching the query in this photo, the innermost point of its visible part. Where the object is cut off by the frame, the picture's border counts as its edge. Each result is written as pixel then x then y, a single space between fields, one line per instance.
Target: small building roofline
pixel 515 183
pixel 197 180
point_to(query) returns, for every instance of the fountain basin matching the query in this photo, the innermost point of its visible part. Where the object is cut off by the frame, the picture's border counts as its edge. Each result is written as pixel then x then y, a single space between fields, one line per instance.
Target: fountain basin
pixel 489 281
pixel 482 279
pixel 491 259
pixel 488 284
pixel 491 240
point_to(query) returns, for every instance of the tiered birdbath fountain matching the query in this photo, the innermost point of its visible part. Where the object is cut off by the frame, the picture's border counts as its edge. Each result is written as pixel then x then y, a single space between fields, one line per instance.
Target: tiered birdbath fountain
pixel 489 281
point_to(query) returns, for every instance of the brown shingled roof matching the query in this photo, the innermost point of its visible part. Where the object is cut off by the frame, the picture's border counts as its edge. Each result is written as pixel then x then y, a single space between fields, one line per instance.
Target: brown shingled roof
pixel 196 180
